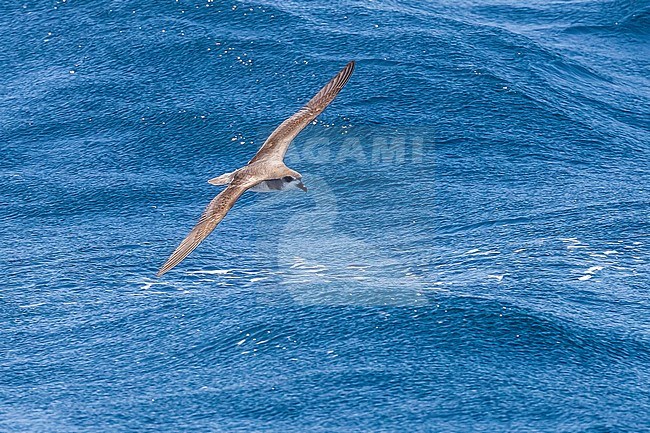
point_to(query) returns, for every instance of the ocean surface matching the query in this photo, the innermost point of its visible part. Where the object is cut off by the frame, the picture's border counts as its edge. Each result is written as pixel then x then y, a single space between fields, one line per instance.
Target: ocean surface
pixel 472 255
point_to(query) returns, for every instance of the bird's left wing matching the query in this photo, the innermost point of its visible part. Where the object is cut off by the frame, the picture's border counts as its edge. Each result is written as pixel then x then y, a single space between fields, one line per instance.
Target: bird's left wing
pixel 213 214
pixel 278 142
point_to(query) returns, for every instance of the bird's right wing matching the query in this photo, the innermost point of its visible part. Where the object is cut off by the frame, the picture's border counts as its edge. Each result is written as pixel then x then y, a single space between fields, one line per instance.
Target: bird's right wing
pixel 213 214
pixel 278 142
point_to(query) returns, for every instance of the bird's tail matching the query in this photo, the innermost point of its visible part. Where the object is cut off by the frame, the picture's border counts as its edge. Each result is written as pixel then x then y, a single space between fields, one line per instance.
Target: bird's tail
pixel 224 179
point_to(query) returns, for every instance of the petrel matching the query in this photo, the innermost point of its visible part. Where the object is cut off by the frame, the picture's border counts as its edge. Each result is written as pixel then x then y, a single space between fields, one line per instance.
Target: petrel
pixel 266 172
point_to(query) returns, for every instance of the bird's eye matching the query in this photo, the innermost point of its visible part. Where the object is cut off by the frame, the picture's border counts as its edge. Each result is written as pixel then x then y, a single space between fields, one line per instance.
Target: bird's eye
pixel 287 179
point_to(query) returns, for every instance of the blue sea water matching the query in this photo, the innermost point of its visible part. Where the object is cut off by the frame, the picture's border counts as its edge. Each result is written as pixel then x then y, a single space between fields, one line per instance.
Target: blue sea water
pixel 472 255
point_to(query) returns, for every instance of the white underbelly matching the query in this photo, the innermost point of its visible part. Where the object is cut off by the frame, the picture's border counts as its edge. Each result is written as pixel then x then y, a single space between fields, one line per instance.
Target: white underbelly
pixel 274 185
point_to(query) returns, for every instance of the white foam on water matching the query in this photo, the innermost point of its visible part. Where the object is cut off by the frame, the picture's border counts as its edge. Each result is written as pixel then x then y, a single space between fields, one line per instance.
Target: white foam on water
pixel 37 304
pixel 212 272
pixel 594 269
pixel 147 284
pixel 488 253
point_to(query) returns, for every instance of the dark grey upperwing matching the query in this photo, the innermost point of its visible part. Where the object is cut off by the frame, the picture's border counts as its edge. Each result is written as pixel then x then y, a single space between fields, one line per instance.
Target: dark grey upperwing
pixel 278 142
pixel 211 217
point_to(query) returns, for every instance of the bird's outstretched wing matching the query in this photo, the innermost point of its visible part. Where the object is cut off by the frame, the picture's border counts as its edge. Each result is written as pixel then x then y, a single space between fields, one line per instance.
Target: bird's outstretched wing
pixel 276 145
pixel 211 217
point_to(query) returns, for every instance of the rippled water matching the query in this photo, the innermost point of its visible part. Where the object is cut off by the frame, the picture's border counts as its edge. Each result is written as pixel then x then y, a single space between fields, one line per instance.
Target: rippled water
pixel 472 254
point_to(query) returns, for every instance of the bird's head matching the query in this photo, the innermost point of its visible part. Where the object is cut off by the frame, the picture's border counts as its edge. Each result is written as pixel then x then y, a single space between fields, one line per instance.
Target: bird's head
pixel 293 180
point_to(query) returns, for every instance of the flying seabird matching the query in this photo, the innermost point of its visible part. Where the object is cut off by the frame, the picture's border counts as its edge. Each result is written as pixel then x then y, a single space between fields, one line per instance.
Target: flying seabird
pixel 266 172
